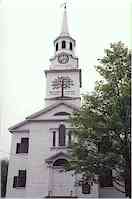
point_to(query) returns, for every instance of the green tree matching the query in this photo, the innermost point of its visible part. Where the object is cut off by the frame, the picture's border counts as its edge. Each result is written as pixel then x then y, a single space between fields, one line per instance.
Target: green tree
pixel 4 172
pixel 103 122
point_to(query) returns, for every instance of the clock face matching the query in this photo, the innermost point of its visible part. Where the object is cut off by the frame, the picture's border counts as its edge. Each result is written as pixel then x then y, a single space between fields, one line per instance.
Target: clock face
pixel 63 58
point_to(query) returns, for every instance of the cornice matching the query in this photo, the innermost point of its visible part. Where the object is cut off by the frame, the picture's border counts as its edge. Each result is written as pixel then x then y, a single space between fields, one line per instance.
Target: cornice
pixel 63 98
pixel 62 37
pixel 69 128
pixel 53 58
pixel 20 131
pixel 50 120
pixel 62 70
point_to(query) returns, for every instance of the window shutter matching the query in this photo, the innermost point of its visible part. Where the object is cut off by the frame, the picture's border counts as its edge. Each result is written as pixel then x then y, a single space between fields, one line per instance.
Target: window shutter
pixel 62 135
pixel 54 138
pixel 15 182
pixel 20 180
pixel 22 173
pixel 18 148
pixel 23 146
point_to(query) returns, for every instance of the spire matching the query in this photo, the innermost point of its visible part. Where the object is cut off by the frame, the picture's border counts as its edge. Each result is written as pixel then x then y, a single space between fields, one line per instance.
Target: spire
pixel 64 28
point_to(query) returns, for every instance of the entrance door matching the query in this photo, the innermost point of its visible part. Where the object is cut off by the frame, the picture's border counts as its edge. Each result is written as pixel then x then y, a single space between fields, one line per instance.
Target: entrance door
pixel 63 183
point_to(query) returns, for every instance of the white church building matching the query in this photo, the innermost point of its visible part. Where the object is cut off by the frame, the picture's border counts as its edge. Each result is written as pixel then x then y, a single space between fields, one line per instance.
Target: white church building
pixel 40 143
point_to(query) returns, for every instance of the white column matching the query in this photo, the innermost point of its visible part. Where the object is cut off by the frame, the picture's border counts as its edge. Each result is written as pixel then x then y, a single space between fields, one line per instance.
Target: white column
pixel 67 132
pixel 57 138
pixel 76 187
pixel 50 185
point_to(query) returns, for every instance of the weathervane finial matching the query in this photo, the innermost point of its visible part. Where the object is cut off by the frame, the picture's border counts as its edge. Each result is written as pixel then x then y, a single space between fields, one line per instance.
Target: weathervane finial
pixel 64 5
pixel 64 28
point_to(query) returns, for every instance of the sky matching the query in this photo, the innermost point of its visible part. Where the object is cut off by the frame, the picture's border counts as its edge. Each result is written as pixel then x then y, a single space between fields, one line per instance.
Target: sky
pixel 27 31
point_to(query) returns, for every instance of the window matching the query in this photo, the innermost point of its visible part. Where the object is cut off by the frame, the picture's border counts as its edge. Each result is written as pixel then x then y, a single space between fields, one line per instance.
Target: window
pixel 57 47
pixel 61 113
pixel 60 162
pixel 85 188
pixel 105 180
pixel 105 144
pixel 23 146
pixel 70 45
pixel 69 138
pixel 20 180
pixel 62 135
pixel 63 44
pixel 54 138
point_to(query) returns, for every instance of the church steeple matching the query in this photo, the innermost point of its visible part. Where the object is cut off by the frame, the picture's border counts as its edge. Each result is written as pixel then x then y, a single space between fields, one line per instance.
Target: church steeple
pixel 64 28
pixel 64 43
pixel 64 75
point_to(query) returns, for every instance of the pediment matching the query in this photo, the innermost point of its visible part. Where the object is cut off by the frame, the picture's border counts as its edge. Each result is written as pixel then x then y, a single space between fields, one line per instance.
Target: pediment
pixel 54 112
pixel 22 127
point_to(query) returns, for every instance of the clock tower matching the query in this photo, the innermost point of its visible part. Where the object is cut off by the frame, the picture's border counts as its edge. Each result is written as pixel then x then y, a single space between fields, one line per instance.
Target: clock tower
pixel 64 75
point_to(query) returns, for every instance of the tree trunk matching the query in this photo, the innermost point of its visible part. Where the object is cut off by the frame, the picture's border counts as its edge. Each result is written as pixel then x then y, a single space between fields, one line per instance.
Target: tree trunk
pixel 127 157
pixel 4 172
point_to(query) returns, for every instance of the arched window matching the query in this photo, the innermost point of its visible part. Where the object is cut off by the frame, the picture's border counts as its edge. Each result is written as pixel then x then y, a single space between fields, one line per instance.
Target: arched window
pixel 54 138
pixel 62 135
pixel 60 162
pixel 61 114
pixel 57 47
pixel 70 45
pixel 63 44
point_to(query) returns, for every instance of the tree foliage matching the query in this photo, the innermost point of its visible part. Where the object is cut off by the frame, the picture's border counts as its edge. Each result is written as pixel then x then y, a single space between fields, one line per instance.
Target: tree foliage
pixel 103 122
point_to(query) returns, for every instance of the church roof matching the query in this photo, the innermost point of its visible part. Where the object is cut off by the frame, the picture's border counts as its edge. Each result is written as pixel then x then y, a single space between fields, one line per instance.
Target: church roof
pixel 36 114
